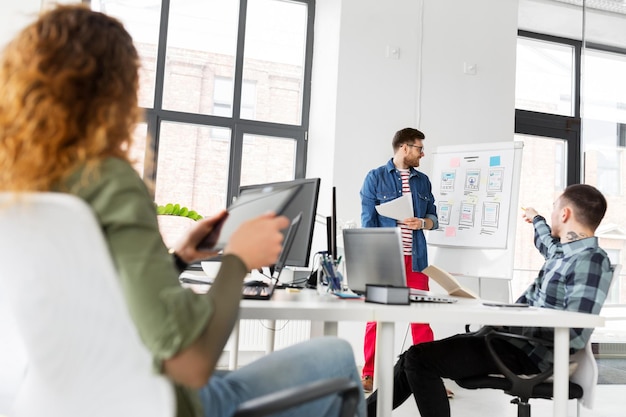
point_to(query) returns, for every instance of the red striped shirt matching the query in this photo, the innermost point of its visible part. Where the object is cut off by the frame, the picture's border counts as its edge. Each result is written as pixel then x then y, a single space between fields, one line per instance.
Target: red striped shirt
pixel 407 234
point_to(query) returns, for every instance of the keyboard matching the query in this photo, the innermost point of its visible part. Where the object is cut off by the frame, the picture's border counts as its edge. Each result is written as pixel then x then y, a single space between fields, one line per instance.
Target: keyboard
pixel 257 292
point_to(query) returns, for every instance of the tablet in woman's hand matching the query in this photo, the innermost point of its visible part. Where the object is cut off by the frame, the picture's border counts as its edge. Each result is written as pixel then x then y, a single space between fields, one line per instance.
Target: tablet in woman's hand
pixel 210 240
pixel 246 207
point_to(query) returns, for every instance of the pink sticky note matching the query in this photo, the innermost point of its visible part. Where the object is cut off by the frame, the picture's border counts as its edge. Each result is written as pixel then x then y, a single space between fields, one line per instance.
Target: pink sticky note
pixel 455 162
pixel 450 231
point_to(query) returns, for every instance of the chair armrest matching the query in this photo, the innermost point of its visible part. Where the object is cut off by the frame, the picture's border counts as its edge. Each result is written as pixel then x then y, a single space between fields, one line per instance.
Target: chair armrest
pixel 290 397
pixel 520 385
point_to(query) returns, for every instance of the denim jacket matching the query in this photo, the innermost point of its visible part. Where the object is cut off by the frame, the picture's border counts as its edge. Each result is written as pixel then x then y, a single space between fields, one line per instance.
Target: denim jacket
pixel 384 184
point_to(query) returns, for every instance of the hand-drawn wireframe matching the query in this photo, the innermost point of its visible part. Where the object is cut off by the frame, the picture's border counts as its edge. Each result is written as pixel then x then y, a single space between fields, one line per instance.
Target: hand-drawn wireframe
pixel 495 179
pixel 445 210
pixel 491 214
pixel 447 181
pixel 472 180
pixel 468 212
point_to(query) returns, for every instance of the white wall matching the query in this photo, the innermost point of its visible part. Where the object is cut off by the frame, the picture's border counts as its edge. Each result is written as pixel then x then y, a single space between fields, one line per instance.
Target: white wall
pixel 14 15
pixel 458 108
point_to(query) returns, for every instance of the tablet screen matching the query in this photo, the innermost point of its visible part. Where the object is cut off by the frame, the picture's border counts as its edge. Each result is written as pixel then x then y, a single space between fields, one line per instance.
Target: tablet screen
pixel 250 205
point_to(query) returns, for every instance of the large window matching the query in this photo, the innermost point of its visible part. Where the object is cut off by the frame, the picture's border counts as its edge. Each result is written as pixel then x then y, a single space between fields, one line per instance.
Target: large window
pixel 545 77
pixel 571 115
pixel 225 87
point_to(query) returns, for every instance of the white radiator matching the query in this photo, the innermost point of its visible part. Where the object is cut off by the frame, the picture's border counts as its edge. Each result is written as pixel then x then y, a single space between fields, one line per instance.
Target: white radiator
pixel 611 350
pixel 253 334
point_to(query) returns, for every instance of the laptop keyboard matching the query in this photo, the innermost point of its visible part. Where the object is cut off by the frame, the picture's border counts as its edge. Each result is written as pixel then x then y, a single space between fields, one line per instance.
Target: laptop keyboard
pixel 257 292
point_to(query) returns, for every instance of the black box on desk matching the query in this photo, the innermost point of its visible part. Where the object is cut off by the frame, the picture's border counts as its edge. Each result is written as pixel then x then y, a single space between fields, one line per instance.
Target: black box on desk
pixel 386 294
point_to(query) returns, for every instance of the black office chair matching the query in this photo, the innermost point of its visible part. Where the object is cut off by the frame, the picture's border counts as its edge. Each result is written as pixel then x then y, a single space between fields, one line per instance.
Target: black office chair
pixel 525 387
pixel 285 399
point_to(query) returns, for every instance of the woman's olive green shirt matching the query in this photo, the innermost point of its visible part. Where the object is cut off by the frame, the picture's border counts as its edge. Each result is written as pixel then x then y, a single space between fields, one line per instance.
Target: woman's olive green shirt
pixel 168 317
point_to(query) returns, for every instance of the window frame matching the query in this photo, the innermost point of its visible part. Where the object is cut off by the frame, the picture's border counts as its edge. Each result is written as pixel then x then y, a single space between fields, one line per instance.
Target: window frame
pixel 238 127
pixel 568 128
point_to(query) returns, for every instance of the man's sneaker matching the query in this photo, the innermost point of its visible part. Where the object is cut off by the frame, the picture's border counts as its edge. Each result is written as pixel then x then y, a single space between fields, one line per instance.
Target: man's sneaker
pixel 368 383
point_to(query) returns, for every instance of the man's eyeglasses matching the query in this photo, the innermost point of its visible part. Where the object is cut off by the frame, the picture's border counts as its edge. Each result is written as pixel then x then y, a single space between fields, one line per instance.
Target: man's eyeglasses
pixel 420 149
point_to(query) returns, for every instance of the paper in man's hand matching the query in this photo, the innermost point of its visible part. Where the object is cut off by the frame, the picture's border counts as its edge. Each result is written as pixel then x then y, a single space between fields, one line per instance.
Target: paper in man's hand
pixel 400 209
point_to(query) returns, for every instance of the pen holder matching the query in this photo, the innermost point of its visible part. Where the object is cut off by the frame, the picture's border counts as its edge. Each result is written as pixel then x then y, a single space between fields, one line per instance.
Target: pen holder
pixel 329 278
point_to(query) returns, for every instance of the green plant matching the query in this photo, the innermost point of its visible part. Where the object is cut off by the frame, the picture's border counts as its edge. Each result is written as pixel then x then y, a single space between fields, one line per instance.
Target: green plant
pixel 176 210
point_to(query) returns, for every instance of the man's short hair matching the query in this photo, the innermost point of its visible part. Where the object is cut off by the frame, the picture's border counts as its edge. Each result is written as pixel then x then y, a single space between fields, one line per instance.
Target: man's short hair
pixel 589 204
pixel 406 135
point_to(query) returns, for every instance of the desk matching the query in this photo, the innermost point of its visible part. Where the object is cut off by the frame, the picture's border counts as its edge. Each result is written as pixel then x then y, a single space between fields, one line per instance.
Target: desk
pixel 307 305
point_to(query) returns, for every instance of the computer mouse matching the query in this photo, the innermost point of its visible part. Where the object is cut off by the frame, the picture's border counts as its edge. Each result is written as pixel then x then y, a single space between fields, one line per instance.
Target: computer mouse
pixel 255 283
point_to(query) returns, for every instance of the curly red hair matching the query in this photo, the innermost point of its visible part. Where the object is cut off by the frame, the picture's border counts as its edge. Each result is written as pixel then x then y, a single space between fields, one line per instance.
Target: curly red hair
pixel 69 86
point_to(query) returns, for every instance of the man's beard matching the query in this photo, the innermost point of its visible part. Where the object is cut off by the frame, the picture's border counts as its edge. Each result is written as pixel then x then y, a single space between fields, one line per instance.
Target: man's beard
pixel 414 163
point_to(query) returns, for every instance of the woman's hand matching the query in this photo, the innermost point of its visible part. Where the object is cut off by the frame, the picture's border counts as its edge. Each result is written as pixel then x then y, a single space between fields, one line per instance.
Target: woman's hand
pixel 258 242
pixel 187 247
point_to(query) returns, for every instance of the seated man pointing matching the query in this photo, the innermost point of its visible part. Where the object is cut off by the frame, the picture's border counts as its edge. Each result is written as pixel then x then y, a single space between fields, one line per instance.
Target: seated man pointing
pixel 576 277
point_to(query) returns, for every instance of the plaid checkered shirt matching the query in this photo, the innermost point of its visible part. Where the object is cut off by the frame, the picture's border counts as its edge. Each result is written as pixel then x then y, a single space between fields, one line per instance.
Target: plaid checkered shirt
pixel 575 277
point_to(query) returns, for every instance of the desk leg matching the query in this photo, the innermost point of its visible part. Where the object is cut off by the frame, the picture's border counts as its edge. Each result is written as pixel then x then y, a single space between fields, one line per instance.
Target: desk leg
pixel 323 328
pixel 330 328
pixel 561 376
pixel 383 363
pixel 233 358
pixel 270 332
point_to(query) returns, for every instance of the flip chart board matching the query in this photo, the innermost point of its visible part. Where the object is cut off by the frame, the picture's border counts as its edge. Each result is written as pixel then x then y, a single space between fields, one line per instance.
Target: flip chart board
pixel 476 193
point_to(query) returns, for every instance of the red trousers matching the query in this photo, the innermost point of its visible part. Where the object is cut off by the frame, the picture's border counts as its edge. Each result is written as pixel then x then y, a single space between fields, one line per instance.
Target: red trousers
pixel 421 332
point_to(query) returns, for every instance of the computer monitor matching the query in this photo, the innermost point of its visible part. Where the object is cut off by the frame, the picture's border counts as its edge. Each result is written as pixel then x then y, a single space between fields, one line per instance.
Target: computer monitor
pixel 331 227
pixel 305 201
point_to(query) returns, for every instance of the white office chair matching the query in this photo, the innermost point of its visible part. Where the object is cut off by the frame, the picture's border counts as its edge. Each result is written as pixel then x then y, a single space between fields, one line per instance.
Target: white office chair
pixel 12 357
pixel 84 355
pixel 585 375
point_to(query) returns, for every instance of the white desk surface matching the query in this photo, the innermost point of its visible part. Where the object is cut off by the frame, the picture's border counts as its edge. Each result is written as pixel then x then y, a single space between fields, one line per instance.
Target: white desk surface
pixel 307 305
pixel 301 306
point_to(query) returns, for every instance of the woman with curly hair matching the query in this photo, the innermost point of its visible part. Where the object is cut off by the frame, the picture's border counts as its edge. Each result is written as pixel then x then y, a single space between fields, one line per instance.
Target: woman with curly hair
pixel 68 105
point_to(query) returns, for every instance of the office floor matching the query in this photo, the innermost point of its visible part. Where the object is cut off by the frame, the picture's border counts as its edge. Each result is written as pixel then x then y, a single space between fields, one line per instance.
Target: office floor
pixel 480 403
pixel 469 403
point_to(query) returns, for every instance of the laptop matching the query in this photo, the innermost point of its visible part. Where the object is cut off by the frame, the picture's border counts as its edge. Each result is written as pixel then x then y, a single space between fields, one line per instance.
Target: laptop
pixel 427 296
pixel 374 255
pixel 263 290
